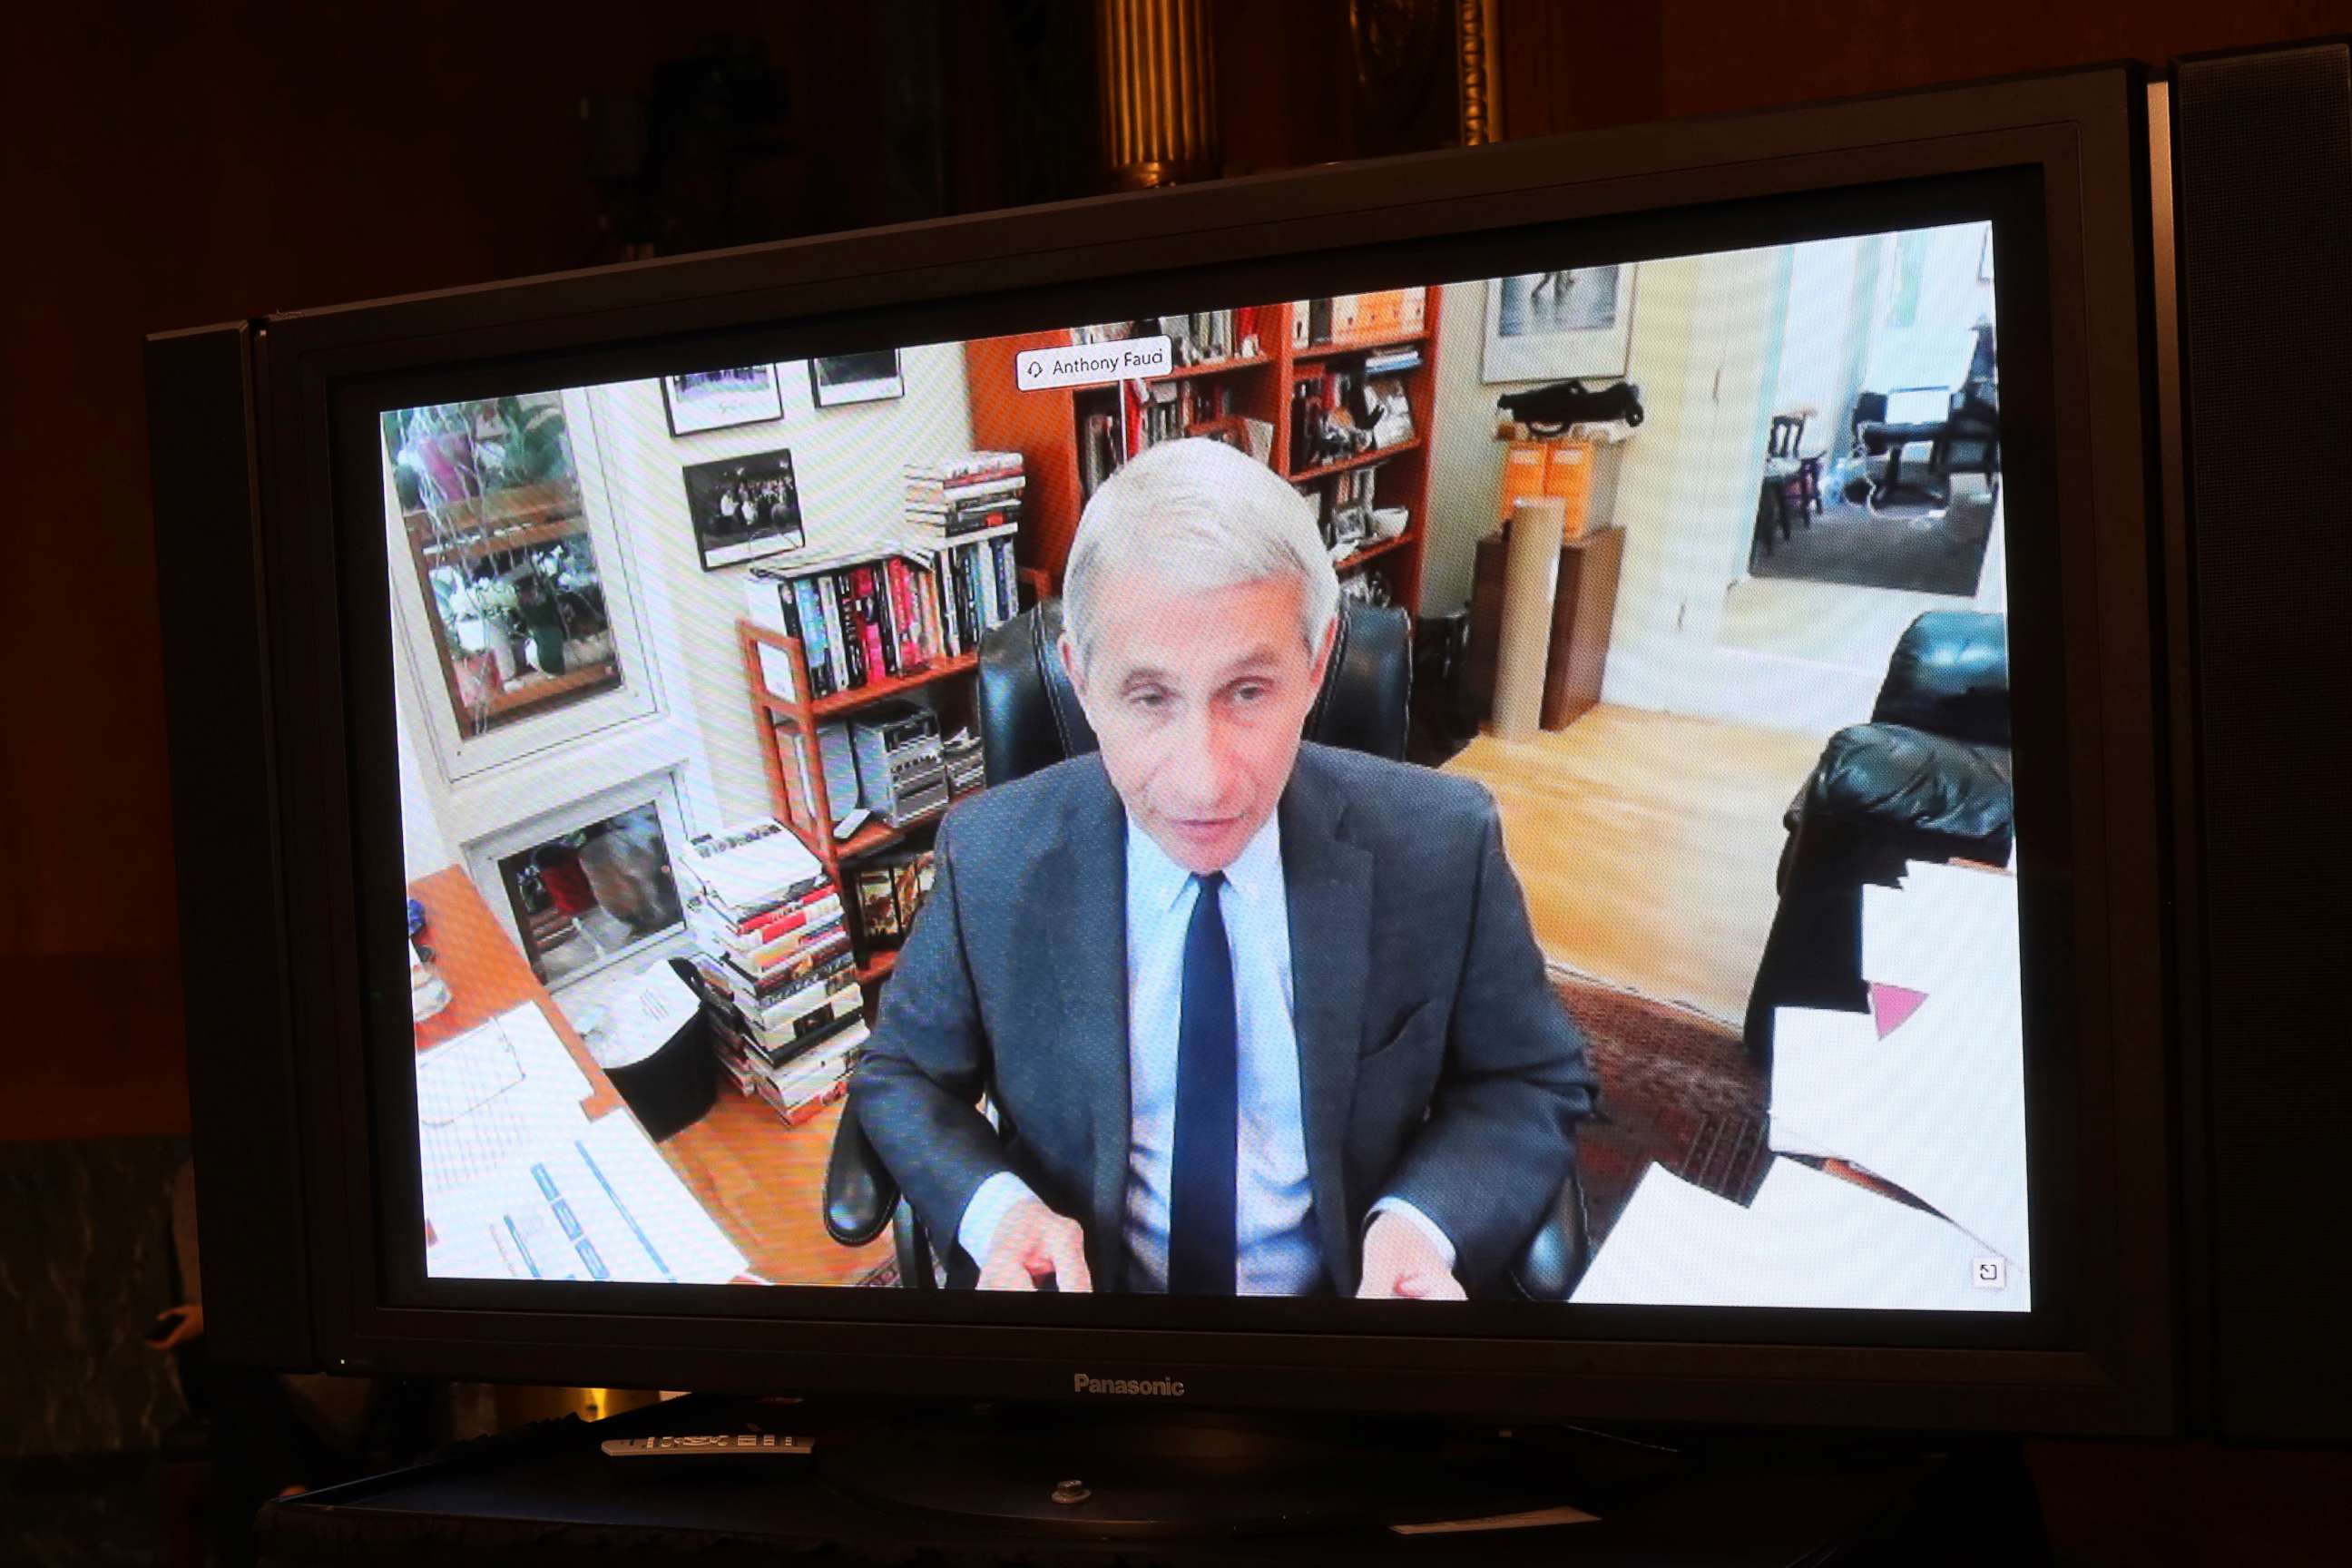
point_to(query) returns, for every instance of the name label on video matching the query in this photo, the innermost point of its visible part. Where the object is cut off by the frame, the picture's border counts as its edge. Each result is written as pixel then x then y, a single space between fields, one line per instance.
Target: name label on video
pixel 1086 364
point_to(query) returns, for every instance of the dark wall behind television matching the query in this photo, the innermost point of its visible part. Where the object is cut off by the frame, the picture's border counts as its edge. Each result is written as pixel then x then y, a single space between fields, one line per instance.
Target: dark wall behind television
pixel 166 167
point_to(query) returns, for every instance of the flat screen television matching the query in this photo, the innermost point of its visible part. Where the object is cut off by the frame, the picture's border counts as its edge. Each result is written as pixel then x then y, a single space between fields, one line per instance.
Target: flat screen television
pixel 633 938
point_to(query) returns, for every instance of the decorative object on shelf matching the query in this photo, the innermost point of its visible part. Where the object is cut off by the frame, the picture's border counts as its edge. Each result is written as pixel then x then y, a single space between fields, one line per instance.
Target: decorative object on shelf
pixel 744 509
pixel 1541 326
pixel 701 400
pixel 837 379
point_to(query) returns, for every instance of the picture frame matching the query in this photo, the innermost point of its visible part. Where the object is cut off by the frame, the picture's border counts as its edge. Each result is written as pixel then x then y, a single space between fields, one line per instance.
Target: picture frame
pixel 702 400
pixel 838 379
pixel 744 509
pixel 1551 326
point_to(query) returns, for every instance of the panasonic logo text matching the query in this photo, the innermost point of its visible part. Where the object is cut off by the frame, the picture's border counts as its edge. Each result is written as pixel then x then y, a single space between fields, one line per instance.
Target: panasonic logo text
pixel 1152 1387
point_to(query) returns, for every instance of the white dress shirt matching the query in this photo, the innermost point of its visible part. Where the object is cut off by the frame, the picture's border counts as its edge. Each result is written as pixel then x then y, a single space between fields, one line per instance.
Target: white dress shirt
pixel 1278 1244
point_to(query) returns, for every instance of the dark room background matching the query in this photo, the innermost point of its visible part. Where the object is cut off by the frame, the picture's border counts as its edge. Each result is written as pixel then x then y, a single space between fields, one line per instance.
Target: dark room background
pixel 171 166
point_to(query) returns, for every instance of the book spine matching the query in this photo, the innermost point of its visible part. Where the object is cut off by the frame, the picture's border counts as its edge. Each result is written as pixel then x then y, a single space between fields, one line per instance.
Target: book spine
pixel 1009 598
pixel 812 638
pixel 934 628
pixel 971 592
pixel 844 615
pixel 789 947
pixel 780 1043
pixel 879 661
pixel 826 959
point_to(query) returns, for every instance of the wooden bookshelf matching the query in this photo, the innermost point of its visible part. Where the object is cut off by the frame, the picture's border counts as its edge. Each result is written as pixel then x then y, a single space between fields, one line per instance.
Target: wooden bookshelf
pixel 1043 427
pixel 1360 460
pixel 797 796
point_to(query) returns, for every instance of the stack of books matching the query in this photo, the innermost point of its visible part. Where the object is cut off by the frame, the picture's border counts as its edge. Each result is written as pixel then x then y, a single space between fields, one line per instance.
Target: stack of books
pixel 859 619
pixel 963 513
pixel 901 774
pixel 975 495
pixel 780 979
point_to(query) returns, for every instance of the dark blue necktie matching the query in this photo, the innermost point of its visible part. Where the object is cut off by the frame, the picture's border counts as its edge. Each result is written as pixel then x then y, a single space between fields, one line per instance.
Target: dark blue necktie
pixel 1208 1074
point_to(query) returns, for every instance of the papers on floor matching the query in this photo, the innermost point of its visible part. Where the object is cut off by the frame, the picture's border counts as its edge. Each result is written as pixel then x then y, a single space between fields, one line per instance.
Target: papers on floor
pixel 518 1184
pixel 1937 1106
pixel 1809 1240
pixel 1934 1105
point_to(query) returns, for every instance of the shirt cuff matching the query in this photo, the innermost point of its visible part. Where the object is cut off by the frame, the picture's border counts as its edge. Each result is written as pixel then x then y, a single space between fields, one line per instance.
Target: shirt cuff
pixel 976 1232
pixel 1427 1226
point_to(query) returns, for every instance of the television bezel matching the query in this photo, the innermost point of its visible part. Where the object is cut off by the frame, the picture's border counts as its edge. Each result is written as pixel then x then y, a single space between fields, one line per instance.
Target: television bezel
pixel 2082 135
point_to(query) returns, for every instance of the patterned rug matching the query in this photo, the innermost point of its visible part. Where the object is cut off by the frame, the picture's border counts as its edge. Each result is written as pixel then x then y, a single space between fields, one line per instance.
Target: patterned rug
pixel 1676 1087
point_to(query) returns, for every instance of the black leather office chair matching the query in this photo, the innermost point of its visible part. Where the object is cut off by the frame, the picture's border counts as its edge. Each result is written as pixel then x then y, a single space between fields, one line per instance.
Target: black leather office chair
pixel 1030 719
pixel 1927 778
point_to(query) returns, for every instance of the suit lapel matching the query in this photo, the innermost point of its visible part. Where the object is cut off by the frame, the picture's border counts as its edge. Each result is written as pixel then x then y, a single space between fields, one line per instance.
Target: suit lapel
pixel 1328 883
pixel 1087 955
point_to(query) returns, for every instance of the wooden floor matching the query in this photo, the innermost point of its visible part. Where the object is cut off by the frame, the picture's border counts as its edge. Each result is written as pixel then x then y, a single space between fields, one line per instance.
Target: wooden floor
pixel 765 1184
pixel 1646 843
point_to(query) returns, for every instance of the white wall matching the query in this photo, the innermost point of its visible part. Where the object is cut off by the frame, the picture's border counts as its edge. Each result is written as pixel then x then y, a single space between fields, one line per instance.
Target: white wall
pixel 1465 479
pixel 1933 348
pixel 1707 353
pixel 846 463
pixel 1817 347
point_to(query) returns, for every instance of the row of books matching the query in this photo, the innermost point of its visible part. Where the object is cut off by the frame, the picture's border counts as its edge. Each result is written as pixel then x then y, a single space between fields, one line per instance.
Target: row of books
pixel 1116 423
pixel 780 981
pixel 885 613
pixel 1389 313
pixel 1202 337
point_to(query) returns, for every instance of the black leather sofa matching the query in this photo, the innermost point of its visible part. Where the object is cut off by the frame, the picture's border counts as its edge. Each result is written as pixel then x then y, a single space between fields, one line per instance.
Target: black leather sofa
pixel 1030 719
pixel 1927 779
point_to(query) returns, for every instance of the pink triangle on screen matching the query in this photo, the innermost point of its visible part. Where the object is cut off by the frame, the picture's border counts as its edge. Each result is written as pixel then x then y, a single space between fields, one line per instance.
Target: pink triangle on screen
pixel 1891 1005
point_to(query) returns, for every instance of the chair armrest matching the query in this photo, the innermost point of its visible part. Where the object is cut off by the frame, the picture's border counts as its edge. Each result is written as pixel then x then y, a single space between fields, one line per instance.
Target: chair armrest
pixel 1553 1261
pixel 913 1247
pixel 1893 778
pixel 859 1193
pixel 1949 675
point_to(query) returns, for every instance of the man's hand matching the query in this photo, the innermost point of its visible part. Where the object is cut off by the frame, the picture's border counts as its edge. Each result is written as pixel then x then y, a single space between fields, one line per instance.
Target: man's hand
pixel 1401 1261
pixel 1033 1243
pixel 179 1325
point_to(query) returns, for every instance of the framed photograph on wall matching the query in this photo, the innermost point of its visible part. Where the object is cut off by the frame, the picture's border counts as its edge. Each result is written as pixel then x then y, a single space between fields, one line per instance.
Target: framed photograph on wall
pixel 1548 326
pixel 744 509
pixel 701 400
pixel 836 379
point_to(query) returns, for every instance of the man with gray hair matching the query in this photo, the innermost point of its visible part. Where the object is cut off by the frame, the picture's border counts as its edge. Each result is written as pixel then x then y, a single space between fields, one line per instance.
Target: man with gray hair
pixel 1253 1017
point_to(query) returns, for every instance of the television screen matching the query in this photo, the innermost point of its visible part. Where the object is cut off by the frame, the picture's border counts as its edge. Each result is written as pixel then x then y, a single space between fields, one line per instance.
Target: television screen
pixel 1689 920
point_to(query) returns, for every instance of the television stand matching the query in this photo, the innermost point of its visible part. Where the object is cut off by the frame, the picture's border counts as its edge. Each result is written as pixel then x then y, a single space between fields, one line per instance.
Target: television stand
pixel 1132 1472
pixel 976 1484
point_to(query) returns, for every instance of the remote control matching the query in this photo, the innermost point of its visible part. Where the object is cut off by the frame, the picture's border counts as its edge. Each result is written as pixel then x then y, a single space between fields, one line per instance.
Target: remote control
pixel 723 1443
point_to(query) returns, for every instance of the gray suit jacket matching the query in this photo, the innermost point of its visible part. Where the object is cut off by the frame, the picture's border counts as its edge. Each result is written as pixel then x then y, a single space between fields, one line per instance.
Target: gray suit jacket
pixel 1435 1063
